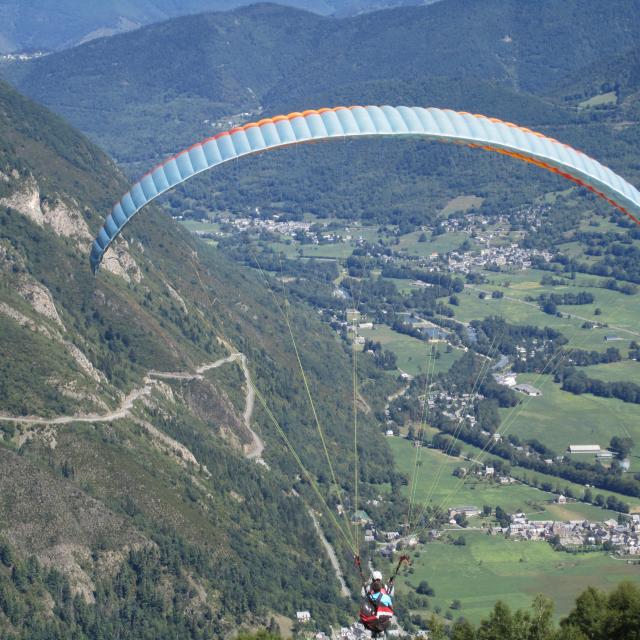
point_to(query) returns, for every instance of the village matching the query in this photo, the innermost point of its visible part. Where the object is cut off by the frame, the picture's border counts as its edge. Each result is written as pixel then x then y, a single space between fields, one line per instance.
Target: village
pixel 494 257
pixel 499 224
pixel 301 231
pixel 621 538
pixel 355 632
pixel 486 248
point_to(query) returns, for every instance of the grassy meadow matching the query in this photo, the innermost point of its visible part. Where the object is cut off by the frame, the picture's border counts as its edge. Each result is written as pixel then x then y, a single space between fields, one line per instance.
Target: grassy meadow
pixel 436 484
pixel 434 244
pixel 462 203
pixel 625 370
pixel 619 311
pixel 412 353
pixel 559 418
pixel 622 310
pixel 490 568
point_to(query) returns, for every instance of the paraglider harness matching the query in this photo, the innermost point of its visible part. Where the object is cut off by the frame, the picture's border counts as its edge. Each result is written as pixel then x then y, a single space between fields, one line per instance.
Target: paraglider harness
pixel 376 612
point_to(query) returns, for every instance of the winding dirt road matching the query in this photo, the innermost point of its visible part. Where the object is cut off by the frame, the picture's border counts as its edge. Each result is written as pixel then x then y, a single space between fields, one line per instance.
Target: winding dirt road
pixel 344 590
pixel 253 450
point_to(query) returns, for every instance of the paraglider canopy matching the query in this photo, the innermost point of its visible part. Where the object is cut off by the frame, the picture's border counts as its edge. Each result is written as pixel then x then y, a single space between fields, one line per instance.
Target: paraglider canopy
pixel 324 124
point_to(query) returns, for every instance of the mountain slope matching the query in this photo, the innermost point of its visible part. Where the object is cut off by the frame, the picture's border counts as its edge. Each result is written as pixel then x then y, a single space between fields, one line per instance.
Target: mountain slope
pixel 37 25
pixel 160 497
pixel 218 56
pixel 145 94
pixel 28 25
pixel 610 86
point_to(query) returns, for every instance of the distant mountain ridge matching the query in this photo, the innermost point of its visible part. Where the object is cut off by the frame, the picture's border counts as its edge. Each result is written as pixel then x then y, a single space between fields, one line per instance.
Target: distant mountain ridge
pixel 201 68
pixel 29 25
pixel 46 25
pixel 144 95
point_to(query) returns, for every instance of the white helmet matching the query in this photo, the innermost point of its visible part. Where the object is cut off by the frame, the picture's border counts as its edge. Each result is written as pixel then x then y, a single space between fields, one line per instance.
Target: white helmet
pixel 376 575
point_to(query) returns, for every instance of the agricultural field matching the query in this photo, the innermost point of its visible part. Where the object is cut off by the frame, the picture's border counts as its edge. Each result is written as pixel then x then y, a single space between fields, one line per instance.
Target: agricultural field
pixel 609 98
pixel 199 225
pixel 626 371
pixel 436 484
pixel 559 418
pixel 462 203
pixel 515 311
pixel 529 477
pixel 341 250
pixel 370 234
pixel 434 244
pixel 596 222
pixel 489 568
pixel 526 475
pixel 576 250
pixel 412 354
pixel 617 310
pixel 289 250
pixel 403 285
pixel 336 251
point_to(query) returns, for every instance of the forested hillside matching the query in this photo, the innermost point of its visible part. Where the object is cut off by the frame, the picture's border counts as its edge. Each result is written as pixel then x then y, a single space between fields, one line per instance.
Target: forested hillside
pixel 222 69
pixel 208 67
pixel 28 25
pixel 36 25
pixel 609 87
pixel 155 521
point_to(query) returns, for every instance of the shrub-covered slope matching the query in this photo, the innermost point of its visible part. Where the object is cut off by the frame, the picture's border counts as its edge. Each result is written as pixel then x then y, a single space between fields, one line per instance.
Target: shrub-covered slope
pixel 137 513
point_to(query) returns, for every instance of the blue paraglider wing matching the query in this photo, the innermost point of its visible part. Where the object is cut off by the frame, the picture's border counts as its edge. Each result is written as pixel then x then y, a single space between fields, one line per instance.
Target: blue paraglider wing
pixel 434 124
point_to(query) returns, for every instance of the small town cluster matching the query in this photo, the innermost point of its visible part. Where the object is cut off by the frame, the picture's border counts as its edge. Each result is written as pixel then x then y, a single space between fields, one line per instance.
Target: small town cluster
pixel 491 249
pixel 509 255
pixel 621 538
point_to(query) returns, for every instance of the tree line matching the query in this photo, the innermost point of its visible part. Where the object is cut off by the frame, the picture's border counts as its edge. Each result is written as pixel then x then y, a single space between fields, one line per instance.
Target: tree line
pixel 595 616
pixel 577 382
